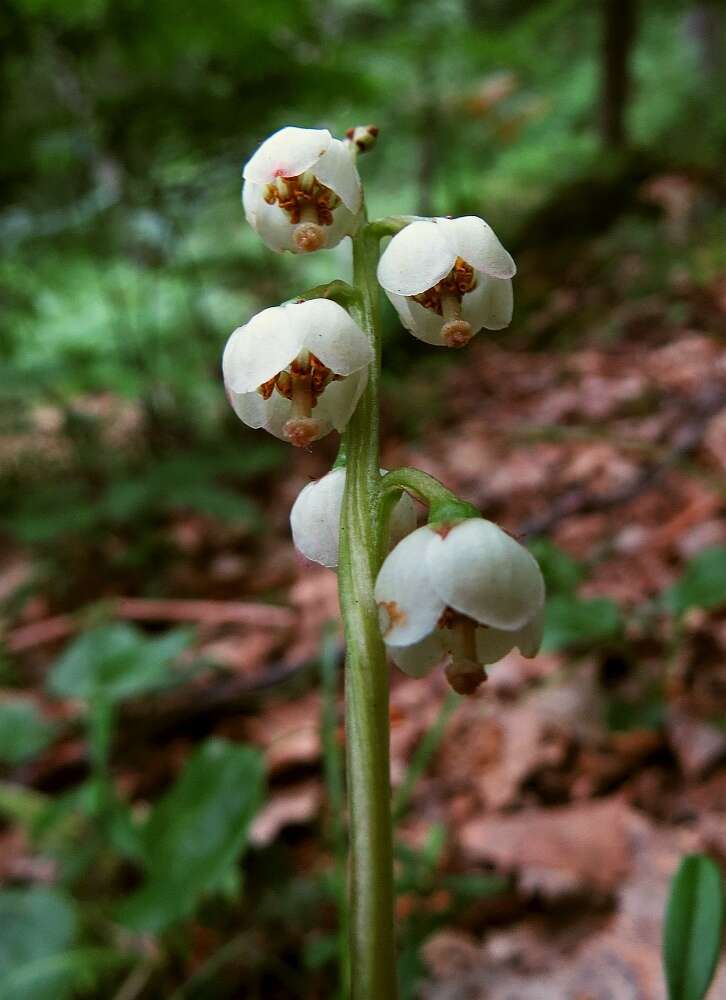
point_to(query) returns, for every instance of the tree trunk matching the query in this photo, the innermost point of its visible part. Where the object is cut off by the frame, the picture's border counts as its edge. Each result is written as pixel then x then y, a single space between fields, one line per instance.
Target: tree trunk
pixel 619 24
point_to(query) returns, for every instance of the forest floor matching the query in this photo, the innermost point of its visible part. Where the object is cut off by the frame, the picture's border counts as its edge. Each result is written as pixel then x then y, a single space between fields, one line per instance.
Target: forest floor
pixel 581 776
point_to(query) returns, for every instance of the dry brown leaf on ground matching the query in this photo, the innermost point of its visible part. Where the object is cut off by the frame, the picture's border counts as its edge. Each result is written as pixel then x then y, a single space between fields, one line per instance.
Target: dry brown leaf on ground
pixel 288 807
pixel 568 850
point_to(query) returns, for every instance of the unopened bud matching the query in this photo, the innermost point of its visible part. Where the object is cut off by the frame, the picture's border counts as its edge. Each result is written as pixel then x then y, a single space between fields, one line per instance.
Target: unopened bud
pixel 363 137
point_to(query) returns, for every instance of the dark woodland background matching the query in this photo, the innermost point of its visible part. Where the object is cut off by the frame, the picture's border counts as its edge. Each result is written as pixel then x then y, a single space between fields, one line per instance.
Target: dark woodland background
pixel 172 819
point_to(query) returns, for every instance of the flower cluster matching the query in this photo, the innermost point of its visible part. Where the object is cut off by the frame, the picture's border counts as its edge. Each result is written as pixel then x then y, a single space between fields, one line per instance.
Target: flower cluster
pixel 458 587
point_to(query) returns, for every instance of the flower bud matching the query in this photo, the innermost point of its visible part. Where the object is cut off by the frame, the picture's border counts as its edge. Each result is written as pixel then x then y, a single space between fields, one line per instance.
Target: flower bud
pixel 315 518
pixel 448 278
pixel 467 589
pixel 302 191
pixel 297 370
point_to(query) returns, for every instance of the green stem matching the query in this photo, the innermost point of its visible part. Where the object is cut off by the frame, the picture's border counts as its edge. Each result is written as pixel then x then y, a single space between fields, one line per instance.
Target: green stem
pixel 372 951
pixel 442 503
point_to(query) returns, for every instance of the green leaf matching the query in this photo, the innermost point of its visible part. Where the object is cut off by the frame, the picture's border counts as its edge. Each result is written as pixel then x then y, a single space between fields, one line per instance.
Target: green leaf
pixel 116 661
pixel 37 924
pixel 702 585
pixel 570 622
pixel 23 731
pixel 693 928
pixel 562 574
pixel 196 833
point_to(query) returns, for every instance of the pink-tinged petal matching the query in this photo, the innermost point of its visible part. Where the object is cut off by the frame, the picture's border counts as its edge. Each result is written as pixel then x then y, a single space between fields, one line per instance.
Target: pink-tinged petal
pixel 336 169
pixel 474 240
pixel 415 259
pixel 287 153
pixel 409 608
pixel 480 571
pixel 258 351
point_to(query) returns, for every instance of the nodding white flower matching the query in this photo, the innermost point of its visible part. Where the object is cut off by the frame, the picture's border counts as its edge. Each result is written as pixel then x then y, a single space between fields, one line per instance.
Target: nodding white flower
pixel 315 518
pixel 291 360
pixel 448 278
pixel 301 190
pixel 469 590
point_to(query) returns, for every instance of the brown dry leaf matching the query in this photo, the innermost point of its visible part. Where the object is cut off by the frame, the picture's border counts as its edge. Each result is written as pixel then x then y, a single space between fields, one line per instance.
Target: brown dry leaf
pixel 289 807
pixel 562 851
pixel 696 744
pixel 288 732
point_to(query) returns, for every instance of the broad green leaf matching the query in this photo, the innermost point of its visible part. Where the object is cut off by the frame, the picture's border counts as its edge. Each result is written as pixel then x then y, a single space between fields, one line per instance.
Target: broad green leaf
pixel 702 585
pixel 116 661
pixel 693 928
pixel 562 574
pixel 573 623
pixel 196 833
pixel 36 926
pixel 23 731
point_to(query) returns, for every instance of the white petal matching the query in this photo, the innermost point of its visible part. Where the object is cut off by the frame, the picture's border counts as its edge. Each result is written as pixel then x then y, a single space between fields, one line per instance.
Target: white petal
pixel 344 224
pixel 409 607
pixel 489 304
pixel 529 638
pixel 287 153
pixel 403 520
pixel 270 222
pixel 474 240
pixel 259 350
pixel 328 332
pixel 338 400
pixel 415 259
pixel 270 414
pixel 423 323
pixel 420 658
pixel 478 570
pixel 493 643
pixel 336 169
pixel 315 518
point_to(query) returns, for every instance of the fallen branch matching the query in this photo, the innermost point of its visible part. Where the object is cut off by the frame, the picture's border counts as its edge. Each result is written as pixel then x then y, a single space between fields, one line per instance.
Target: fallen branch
pixel 150 610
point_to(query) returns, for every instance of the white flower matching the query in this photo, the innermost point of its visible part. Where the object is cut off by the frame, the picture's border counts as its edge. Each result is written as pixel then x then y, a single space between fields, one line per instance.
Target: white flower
pixel 315 518
pixel 291 360
pixel 302 190
pixel 448 278
pixel 469 590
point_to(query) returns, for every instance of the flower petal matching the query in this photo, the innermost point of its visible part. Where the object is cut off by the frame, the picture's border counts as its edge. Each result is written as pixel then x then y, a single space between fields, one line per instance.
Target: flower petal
pixel 493 643
pixel 409 607
pixel 478 570
pixel 415 259
pixel 475 241
pixel 403 520
pixel 420 658
pixel 423 323
pixel 489 305
pixel 287 153
pixel 336 169
pixel 344 224
pixel 338 399
pixel 269 221
pixel 259 350
pixel 328 332
pixel 315 518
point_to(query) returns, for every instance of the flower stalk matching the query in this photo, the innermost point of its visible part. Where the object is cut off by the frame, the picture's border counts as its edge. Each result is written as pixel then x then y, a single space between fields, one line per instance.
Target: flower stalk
pixel 372 954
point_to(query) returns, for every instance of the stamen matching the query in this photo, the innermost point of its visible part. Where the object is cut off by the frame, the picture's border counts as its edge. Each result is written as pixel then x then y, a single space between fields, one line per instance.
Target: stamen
pixel 445 299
